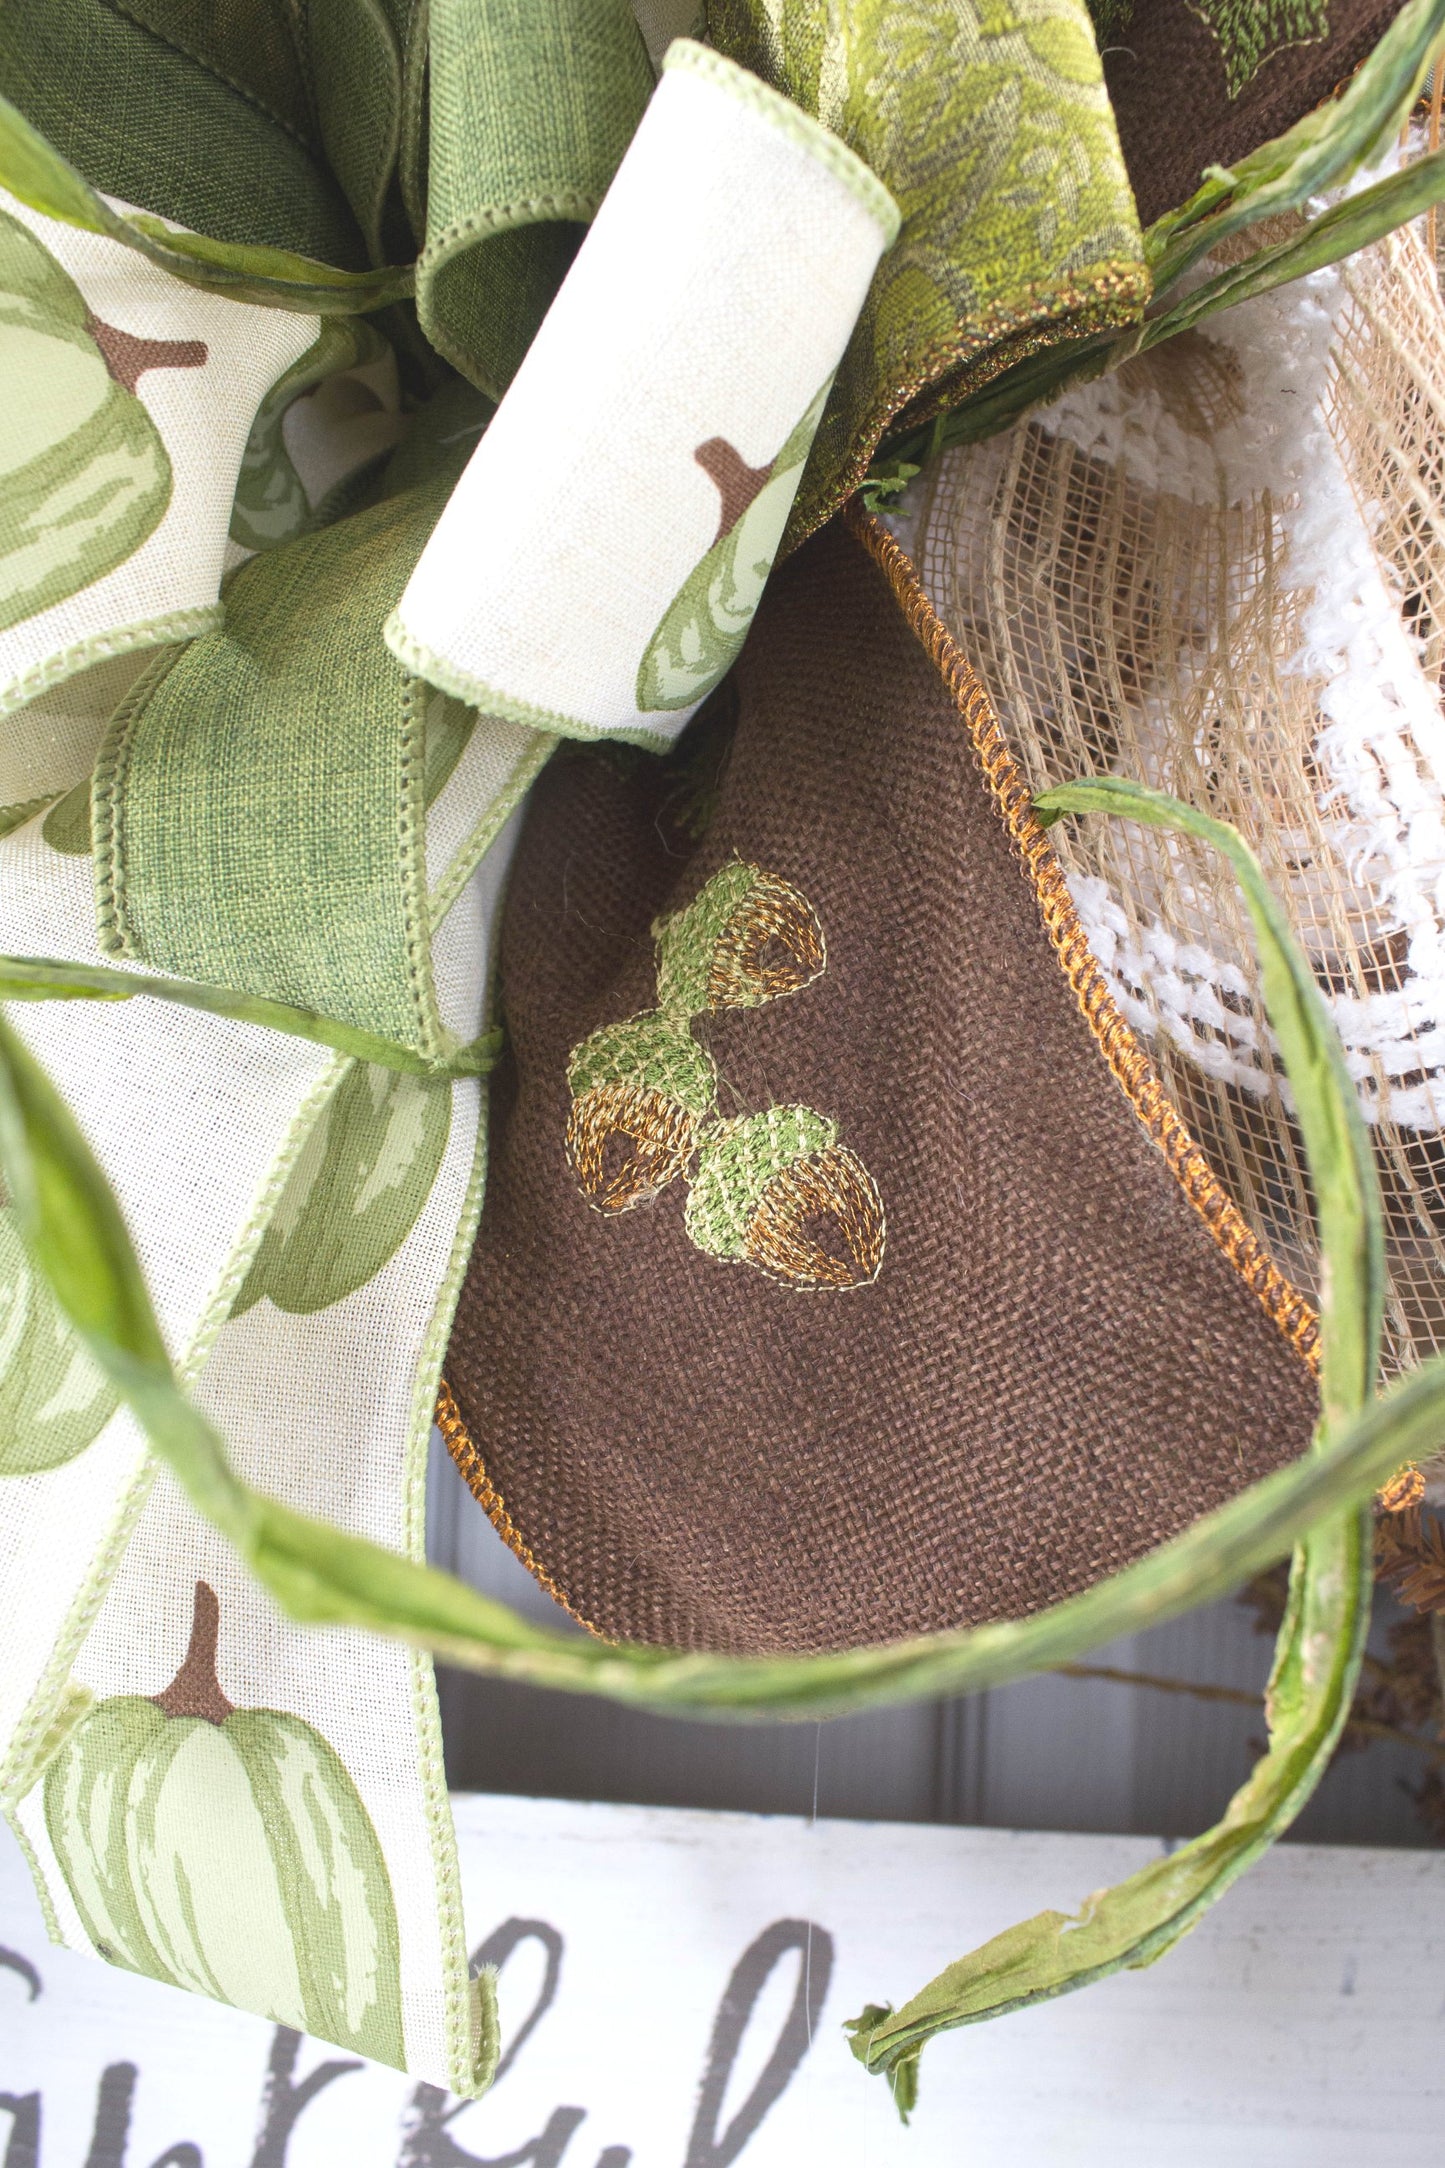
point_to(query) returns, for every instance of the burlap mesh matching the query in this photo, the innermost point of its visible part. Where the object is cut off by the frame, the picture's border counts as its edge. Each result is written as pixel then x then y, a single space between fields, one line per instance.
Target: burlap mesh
pixel 1223 574
pixel 1056 1357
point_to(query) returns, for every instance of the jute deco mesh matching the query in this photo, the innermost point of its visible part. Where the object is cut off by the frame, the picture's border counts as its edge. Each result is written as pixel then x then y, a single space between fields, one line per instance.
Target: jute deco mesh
pixel 1222 572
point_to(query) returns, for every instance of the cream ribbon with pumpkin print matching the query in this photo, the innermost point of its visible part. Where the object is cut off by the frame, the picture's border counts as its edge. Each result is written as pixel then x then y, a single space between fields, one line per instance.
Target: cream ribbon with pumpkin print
pixel 149 1793
pixel 598 565
pixel 303 1222
pixel 126 405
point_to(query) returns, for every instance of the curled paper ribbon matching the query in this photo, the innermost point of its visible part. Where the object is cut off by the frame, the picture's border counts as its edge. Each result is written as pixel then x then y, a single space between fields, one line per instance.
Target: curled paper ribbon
pixel 597 568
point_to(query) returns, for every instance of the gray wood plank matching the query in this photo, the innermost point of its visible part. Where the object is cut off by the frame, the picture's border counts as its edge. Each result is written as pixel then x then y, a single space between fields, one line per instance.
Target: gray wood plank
pixel 1046 1753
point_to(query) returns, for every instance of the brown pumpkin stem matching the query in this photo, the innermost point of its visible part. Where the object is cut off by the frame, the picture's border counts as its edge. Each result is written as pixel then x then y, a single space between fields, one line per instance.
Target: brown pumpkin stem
pixel 737 482
pixel 127 358
pixel 195 1690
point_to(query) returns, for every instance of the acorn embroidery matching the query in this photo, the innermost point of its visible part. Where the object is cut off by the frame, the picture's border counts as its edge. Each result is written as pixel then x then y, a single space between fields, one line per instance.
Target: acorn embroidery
pixel 641 1091
pixel 776 1189
pixel 747 938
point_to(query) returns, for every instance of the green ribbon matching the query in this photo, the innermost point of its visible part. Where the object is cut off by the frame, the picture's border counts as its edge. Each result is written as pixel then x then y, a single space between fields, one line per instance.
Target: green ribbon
pixel 990 126
pixel 531 110
pixel 259 802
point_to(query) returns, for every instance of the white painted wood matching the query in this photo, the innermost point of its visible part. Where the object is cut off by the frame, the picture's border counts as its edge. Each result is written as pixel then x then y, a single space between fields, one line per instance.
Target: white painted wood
pixel 1301 2024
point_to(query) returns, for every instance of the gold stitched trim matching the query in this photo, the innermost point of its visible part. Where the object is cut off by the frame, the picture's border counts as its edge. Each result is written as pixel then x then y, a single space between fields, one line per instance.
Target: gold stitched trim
pixel 1110 298
pixel 470 1467
pixel 1131 1067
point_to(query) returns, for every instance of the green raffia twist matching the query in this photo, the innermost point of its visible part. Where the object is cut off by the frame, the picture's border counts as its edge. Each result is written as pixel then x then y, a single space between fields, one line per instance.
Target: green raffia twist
pixel 1322 1636
pixel 46 978
pixel 77 1238
pixel 34 172
pixel 74 1231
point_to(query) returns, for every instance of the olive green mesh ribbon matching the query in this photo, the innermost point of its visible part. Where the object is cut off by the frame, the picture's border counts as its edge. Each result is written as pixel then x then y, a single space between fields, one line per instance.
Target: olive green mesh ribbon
pixel 991 128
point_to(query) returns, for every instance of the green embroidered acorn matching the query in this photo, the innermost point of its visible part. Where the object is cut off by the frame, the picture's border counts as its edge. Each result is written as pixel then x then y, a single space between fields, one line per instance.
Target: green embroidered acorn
pixel 641 1091
pixel 54 1401
pixel 777 1190
pixel 84 476
pixel 1248 32
pixel 746 938
pixel 227 1850
pixel 703 628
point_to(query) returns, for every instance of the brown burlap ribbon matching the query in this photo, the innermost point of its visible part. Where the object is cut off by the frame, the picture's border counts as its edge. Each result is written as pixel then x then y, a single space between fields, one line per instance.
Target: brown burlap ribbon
pixel 829 1287
pixel 1196 83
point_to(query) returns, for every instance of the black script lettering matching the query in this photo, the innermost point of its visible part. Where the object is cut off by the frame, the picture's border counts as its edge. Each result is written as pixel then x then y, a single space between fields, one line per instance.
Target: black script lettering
pixel 814 1945
pixel 427 2142
pixel 500 1944
pixel 283 2102
pixel 12 1961
pixel 180 2156
pixel 616 2156
pixel 23 2150
pixel 112 2117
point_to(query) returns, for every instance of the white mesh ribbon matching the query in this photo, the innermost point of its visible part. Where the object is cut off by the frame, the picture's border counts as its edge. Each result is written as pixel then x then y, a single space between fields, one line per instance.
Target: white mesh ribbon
pixel 1219 571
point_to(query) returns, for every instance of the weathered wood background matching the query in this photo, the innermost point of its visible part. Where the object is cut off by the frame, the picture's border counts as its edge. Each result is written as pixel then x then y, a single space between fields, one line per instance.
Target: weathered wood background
pixel 689 1974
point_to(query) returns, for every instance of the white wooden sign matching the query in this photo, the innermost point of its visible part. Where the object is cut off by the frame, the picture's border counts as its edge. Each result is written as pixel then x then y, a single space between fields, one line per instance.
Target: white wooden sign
pixel 673 1987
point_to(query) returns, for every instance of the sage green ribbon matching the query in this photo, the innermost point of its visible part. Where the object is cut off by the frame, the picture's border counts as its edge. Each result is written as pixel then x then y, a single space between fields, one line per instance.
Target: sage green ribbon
pixel 259 801
pixel 531 109
pixel 206 113
pixel 991 128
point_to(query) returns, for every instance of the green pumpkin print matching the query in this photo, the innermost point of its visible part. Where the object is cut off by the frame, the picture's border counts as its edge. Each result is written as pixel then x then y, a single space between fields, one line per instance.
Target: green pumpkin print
pixel 704 626
pixel 227 1851
pixel 356 1189
pixel 84 476
pixel 66 827
pixel 54 1401
pixel 271 504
